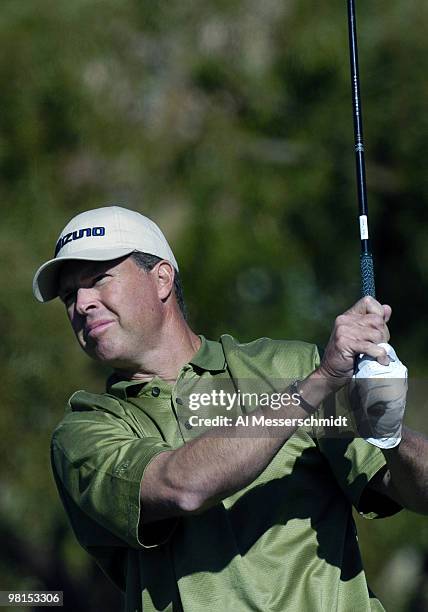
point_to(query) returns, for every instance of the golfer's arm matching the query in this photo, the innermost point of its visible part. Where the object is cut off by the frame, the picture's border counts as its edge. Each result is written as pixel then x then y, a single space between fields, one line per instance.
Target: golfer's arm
pixel 406 479
pixel 210 468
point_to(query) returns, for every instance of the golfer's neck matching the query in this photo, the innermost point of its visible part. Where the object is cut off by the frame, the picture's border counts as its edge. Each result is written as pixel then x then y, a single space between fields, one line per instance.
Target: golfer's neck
pixel 174 347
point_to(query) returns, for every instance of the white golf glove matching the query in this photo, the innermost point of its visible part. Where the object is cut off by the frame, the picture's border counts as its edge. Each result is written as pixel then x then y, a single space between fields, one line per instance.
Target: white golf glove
pixel 378 397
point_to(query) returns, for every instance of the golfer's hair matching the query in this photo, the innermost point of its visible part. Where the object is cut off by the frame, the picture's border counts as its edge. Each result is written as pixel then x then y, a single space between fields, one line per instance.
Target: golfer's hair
pixel 148 262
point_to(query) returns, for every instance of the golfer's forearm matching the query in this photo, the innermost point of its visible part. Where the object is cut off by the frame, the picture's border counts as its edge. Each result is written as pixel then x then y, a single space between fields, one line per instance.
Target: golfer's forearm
pixel 205 471
pixel 408 468
pixel 210 468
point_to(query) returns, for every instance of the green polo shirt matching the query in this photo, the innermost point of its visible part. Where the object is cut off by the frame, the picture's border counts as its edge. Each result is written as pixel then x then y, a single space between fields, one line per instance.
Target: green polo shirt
pixel 286 542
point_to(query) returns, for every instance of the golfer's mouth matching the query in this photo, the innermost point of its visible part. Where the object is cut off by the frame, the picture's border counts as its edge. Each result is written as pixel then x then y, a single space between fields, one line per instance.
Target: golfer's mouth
pixel 96 328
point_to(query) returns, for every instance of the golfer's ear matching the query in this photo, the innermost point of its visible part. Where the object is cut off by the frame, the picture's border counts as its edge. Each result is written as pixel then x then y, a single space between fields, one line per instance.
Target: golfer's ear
pixel 164 278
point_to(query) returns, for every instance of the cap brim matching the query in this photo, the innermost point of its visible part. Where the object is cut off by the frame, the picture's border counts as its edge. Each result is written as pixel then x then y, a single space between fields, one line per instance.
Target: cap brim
pixel 46 279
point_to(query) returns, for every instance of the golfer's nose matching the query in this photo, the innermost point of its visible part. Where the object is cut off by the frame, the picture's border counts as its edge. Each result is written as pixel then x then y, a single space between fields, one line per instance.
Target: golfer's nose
pixel 86 300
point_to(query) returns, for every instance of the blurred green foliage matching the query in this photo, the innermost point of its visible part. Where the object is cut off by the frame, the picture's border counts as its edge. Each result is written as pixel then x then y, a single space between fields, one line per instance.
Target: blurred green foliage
pixel 230 124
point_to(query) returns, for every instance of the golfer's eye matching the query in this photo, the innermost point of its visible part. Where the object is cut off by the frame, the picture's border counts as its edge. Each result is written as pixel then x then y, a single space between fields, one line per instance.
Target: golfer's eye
pixel 99 279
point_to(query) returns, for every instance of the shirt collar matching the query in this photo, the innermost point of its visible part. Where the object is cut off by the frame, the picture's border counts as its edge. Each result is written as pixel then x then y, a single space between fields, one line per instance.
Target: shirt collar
pixel 209 357
pixel 121 387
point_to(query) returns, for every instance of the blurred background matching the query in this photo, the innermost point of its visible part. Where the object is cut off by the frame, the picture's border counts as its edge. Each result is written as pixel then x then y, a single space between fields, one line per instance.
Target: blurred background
pixel 230 123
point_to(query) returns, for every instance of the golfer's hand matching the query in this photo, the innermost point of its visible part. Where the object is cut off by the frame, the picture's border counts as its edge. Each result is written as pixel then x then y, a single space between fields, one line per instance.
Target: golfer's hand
pixel 358 330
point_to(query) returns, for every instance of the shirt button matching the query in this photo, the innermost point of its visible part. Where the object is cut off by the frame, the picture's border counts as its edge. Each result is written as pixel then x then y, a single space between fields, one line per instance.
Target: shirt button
pixel 155 391
pixel 187 425
pixel 179 401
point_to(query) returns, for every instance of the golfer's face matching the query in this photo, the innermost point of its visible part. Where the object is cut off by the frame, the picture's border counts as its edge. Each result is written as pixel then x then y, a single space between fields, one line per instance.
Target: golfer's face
pixel 113 308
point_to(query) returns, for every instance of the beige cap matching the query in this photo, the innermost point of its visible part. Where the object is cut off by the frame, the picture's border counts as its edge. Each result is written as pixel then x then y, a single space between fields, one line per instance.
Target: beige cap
pixel 101 234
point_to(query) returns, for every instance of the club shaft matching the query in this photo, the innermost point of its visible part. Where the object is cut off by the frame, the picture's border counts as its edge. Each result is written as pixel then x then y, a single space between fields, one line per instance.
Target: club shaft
pixel 366 259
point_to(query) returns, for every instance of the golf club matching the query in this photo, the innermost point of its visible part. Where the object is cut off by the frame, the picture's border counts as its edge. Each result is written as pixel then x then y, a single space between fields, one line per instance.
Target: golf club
pixel 366 257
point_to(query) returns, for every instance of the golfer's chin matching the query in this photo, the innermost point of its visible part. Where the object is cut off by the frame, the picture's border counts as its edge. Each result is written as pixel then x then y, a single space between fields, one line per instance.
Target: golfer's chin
pixel 100 349
pixel 108 354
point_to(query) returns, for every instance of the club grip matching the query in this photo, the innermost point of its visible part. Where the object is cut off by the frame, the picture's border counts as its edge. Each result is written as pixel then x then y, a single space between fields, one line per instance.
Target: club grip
pixel 367 275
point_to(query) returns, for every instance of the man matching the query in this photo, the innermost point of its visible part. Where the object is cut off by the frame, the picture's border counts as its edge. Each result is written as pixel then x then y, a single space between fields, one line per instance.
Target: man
pixel 230 521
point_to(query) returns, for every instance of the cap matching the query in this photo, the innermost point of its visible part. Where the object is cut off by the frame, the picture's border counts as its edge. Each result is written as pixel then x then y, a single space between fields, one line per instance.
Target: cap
pixel 101 234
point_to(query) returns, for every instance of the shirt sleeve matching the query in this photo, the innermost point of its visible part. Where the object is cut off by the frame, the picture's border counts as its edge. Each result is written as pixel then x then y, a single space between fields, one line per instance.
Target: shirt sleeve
pixel 98 463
